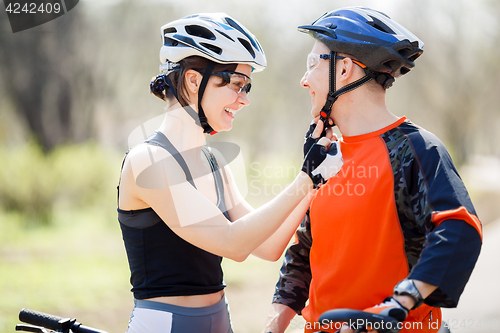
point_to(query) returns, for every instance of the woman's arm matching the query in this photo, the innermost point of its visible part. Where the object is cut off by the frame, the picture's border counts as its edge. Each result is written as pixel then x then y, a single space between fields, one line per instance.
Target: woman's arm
pixel 196 219
pixel 273 247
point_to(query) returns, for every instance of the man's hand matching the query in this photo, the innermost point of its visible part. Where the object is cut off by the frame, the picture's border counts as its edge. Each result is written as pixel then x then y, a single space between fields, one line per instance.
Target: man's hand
pixel 400 304
pixel 389 307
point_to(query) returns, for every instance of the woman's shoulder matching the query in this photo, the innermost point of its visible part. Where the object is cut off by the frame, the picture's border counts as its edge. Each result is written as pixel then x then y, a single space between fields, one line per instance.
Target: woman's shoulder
pixel 144 179
pixel 145 158
pixel 146 150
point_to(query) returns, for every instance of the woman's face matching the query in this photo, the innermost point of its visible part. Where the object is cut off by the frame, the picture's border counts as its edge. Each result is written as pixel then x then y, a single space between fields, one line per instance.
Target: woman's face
pixel 222 103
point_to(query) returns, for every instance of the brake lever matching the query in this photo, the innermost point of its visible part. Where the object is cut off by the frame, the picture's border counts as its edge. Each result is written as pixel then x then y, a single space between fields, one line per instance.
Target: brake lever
pixel 31 328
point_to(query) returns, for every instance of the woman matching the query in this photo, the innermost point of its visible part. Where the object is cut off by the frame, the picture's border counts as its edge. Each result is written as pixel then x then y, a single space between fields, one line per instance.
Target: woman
pixel 179 211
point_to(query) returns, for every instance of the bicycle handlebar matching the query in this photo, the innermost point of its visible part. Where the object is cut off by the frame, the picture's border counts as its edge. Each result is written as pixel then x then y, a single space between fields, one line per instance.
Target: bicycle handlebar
pixel 54 323
pixel 40 319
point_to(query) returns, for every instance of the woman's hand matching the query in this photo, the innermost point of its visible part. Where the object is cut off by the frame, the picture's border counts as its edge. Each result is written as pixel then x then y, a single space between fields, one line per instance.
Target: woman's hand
pixel 315 132
pixel 323 160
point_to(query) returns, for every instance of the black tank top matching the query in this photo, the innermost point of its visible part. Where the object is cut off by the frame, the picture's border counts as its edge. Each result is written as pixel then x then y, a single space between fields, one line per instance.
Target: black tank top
pixel 161 263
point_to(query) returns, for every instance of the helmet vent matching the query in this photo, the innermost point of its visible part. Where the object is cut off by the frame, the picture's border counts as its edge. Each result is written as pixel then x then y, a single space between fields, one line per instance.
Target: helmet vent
pixel 170 42
pixel 391 65
pixel 404 70
pixel 199 31
pixel 405 52
pixel 225 35
pixel 414 57
pixel 169 31
pixel 247 46
pixel 379 25
pixel 236 26
pixel 408 51
pixel 212 48
pixel 233 24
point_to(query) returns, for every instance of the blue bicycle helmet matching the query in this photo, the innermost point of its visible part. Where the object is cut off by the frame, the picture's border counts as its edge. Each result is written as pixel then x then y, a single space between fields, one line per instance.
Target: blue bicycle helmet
pixel 376 40
pixel 385 48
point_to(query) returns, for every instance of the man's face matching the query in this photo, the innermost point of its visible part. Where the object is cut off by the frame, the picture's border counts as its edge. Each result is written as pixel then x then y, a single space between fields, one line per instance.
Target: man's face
pixel 316 79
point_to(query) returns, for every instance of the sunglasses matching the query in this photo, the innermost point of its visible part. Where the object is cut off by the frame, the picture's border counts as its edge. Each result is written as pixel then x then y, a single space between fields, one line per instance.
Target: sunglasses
pixel 235 81
pixel 313 60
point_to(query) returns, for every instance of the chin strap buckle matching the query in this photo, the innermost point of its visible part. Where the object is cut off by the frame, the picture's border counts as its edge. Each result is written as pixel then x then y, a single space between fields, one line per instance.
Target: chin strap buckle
pixel 327 108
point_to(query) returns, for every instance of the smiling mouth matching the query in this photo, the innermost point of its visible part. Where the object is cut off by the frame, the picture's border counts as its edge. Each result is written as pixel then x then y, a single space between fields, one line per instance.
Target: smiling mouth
pixel 230 111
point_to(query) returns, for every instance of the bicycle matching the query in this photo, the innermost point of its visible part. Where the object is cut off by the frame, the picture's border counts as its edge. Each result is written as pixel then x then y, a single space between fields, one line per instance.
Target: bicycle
pixel 40 322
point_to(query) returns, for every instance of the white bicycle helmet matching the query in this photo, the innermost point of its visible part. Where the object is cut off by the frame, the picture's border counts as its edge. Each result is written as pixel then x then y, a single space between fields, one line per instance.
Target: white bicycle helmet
pixel 217 37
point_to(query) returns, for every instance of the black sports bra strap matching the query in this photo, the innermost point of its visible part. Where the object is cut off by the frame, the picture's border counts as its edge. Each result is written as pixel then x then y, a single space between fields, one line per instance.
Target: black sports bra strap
pixel 219 184
pixel 159 139
pixel 120 180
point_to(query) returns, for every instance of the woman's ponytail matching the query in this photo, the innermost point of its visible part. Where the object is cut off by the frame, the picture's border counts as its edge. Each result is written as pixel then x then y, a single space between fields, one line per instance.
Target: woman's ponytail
pixel 159 86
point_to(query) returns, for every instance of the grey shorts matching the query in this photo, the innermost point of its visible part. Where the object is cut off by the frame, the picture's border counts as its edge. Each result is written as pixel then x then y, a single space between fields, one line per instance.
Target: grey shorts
pixel 155 317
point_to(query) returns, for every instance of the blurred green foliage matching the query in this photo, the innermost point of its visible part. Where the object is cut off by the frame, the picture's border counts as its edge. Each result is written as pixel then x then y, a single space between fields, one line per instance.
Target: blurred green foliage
pixel 75 267
pixel 60 247
pixel 71 176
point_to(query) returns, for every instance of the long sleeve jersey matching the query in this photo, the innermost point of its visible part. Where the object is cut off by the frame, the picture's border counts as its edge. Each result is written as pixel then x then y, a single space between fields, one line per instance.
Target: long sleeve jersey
pixel 396 209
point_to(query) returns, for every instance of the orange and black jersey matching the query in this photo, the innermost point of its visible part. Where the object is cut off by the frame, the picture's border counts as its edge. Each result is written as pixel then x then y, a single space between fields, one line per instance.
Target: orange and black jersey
pixel 396 209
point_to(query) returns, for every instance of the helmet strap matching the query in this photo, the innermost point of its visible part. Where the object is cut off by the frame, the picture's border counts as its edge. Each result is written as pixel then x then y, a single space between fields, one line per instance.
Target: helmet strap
pixel 199 118
pixel 188 108
pixel 203 119
pixel 334 94
pixel 331 97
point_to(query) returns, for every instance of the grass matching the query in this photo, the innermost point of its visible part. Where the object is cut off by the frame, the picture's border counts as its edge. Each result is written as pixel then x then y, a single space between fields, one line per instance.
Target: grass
pixel 77 267
pixel 74 263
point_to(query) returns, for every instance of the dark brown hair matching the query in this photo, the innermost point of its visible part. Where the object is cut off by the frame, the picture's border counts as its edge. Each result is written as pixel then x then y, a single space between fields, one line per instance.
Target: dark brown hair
pixel 178 77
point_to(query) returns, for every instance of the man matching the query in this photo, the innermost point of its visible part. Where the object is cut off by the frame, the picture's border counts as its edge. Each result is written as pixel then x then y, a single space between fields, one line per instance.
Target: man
pixel 394 232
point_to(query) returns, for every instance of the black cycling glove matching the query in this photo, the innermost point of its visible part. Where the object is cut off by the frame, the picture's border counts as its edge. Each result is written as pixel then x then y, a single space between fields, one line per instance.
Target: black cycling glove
pixel 320 164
